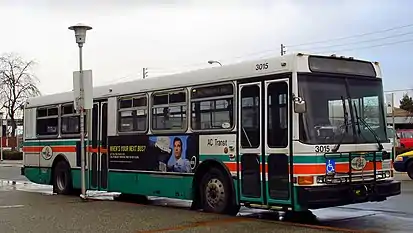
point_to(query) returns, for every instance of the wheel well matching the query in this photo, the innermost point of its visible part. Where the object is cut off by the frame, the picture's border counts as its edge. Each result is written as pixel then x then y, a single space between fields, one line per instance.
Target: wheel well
pixel 59 157
pixel 202 169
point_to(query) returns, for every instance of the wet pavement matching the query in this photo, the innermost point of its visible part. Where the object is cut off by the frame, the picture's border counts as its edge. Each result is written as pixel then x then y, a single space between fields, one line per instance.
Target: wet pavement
pixel 26 207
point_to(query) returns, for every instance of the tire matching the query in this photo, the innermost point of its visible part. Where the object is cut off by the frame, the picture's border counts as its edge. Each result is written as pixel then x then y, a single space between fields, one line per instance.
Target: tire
pixel 409 170
pixel 216 193
pixel 62 179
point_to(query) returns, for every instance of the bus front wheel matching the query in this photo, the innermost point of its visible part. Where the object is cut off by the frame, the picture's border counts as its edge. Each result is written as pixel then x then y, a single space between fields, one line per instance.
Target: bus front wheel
pixel 216 193
pixel 62 179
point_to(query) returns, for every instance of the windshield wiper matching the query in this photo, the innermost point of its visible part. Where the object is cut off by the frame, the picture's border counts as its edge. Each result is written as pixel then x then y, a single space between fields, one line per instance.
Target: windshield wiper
pixel 359 119
pixel 376 137
pixel 346 124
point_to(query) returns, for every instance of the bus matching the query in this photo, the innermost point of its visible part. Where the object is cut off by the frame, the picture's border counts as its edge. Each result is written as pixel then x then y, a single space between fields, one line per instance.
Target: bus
pixel 295 133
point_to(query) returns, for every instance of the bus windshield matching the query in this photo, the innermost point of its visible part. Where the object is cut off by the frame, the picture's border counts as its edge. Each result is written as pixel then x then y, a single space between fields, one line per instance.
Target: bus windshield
pixel 328 121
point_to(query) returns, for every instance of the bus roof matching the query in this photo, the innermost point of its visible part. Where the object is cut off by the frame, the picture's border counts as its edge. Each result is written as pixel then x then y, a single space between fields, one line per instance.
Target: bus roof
pixel 230 72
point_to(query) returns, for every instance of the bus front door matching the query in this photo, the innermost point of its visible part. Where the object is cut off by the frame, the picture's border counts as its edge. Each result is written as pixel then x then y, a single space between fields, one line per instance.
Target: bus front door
pixel 263 142
pixel 98 154
pixel 277 142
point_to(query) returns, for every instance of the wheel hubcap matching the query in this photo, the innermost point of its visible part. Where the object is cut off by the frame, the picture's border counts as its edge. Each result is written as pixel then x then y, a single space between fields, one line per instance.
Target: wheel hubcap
pixel 215 193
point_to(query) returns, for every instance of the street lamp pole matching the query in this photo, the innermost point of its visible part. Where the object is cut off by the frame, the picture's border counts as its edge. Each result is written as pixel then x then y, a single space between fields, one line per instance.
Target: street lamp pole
pixel 80 34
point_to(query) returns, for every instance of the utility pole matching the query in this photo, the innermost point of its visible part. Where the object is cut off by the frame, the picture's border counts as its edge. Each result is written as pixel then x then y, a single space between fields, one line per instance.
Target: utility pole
pixel 282 49
pixel 145 73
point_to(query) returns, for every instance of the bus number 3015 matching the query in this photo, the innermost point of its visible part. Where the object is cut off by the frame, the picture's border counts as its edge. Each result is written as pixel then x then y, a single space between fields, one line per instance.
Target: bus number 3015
pixel 262 66
pixel 321 149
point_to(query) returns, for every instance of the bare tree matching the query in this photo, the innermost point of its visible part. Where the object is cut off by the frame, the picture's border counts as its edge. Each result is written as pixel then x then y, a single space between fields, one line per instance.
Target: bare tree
pixel 17 83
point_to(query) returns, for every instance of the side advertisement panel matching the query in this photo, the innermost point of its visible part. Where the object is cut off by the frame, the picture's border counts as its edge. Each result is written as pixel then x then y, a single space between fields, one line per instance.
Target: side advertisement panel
pixel 154 153
pixel 221 147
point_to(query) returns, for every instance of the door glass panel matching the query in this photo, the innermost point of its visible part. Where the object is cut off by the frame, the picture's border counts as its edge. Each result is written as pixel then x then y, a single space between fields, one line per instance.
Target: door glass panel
pixel 250 117
pixel 103 160
pixel 277 138
pixel 104 125
pixel 95 121
pixel 95 143
pixel 277 133
pixel 278 183
pixel 251 176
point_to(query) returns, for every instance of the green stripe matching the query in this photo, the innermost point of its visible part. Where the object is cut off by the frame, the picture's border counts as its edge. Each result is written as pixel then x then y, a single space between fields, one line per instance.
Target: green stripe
pixel 50 143
pixel 223 158
pixel 62 142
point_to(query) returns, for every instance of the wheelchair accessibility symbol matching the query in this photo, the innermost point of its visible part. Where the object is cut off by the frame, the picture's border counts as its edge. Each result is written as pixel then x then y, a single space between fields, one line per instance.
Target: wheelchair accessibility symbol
pixel 330 166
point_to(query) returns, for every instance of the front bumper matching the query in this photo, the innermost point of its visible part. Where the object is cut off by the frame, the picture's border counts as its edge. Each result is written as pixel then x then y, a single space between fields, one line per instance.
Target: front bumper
pixel 336 195
pixel 399 166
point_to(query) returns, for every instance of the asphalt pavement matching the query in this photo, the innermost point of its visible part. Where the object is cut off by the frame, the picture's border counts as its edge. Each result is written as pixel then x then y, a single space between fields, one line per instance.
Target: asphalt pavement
pixel 26 207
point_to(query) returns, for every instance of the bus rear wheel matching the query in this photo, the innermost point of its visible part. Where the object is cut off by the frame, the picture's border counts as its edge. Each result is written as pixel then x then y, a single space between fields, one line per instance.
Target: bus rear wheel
pixel 216 193
pixel 62 179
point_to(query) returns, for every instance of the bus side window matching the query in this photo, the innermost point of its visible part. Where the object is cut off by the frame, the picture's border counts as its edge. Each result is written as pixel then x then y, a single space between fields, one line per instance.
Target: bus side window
pixel 169 111
pixel 47 121
pixel 133 114
pixel 212 107
pixel 70 120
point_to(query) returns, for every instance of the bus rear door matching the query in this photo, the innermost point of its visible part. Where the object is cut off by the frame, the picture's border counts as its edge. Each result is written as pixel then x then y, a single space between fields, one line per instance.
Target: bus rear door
pixel 99 156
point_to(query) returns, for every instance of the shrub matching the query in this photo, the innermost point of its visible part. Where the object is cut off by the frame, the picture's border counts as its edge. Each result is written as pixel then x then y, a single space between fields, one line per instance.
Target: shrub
pixel 12 155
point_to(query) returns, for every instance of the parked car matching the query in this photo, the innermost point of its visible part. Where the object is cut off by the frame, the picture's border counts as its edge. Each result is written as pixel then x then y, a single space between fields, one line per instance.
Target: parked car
pixel 404 163
pixel 406 137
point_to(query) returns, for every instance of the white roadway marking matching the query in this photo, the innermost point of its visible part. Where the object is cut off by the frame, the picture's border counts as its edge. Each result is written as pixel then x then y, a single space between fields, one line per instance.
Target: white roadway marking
pixel 10 206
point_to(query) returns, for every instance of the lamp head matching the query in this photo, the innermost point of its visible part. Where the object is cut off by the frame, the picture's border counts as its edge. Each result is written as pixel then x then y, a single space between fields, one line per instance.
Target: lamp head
pixel 80 32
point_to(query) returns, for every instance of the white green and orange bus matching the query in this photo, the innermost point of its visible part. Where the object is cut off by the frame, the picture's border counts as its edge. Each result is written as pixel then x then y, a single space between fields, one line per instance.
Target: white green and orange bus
pixel 295 132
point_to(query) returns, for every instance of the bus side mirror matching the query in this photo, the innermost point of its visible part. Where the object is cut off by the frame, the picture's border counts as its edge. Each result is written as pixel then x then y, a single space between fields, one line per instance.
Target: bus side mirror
pixel 299 105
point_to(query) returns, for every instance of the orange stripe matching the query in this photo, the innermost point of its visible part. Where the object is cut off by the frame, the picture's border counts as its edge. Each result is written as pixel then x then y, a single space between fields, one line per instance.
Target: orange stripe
pixel 232 166
pixel 54 148
pixel 95 150
pixel 312 168
pixel 32 149
pixel 64 149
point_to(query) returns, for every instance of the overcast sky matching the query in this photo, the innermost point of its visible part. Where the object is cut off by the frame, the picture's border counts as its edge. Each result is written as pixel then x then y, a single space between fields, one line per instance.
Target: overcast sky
pixel 172 36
